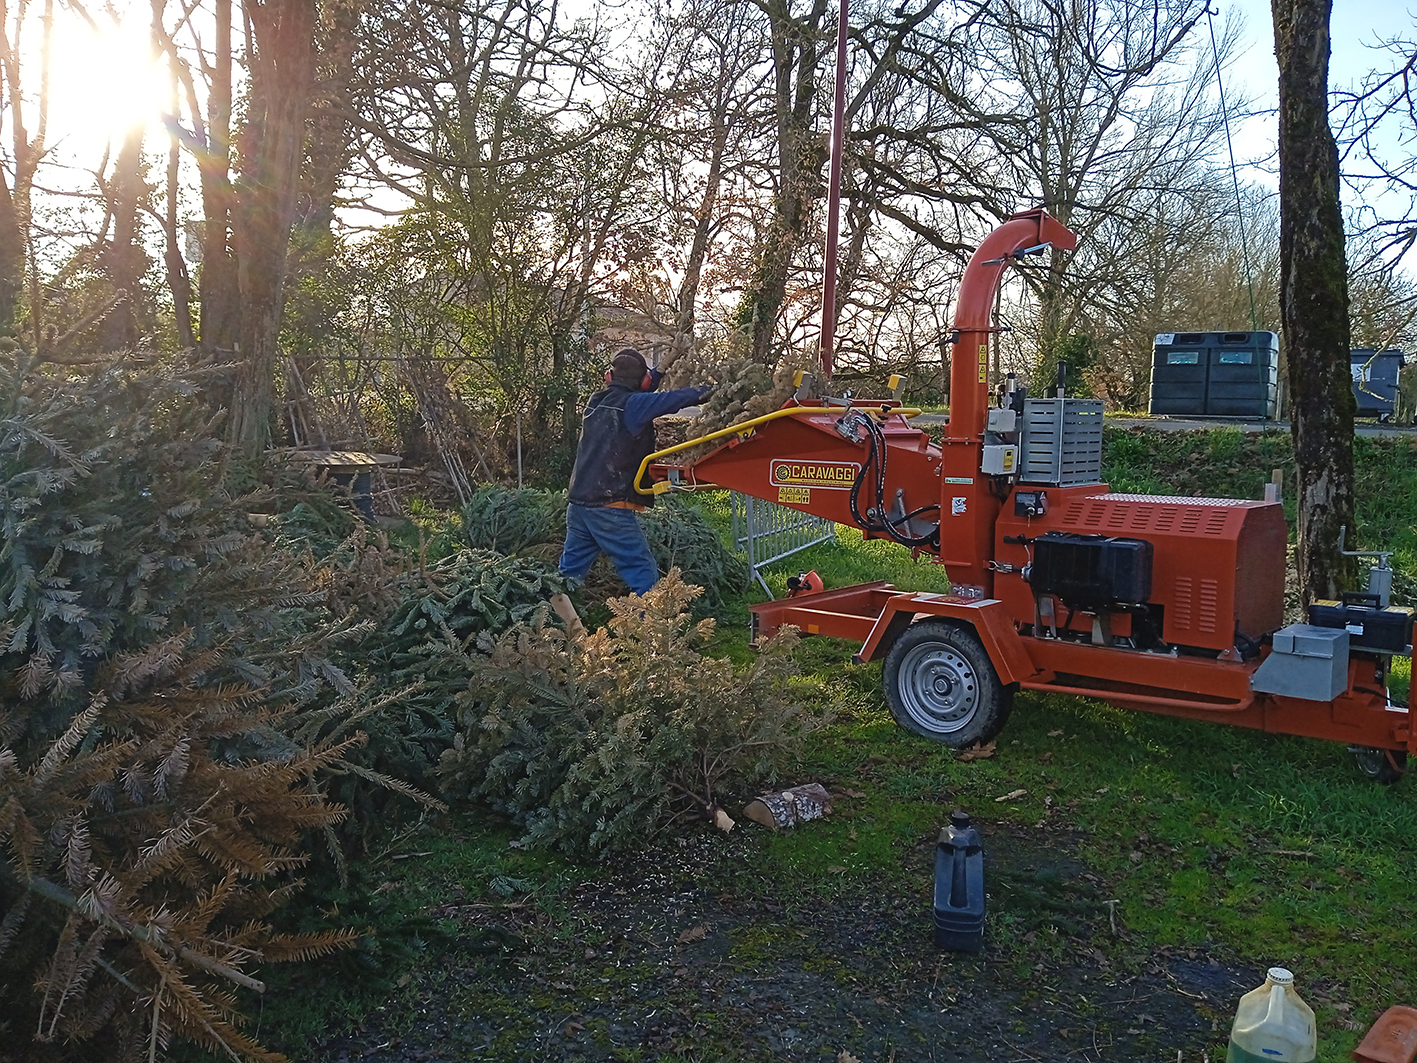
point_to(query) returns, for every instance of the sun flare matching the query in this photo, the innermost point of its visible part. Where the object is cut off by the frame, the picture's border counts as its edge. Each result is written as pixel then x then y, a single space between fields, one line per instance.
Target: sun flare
pixel 104 81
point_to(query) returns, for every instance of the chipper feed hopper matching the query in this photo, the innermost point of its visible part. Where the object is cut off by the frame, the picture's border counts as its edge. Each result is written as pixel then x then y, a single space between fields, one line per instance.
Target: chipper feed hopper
pixel 1162 604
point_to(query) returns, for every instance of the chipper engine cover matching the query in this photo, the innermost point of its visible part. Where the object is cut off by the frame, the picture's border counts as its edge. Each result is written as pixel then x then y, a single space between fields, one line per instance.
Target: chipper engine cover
pixel 1215 566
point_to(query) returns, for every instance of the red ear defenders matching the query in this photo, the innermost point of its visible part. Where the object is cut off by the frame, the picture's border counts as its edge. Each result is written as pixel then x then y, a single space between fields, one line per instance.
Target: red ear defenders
pixel 646 382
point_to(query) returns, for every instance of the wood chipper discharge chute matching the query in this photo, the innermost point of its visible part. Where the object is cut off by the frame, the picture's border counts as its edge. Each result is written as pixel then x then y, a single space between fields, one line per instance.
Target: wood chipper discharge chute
pixel 1160 604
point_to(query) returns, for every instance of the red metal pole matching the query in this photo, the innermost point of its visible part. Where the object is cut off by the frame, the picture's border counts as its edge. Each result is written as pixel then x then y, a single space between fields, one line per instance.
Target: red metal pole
pixel 828 338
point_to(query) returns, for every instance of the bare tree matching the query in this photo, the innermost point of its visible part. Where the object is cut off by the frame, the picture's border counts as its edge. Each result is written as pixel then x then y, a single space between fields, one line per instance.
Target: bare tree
pixel 1120 129
pixel 120 255
pixel 1382 299
pixel 521 157
pixel 1379 152
pixel 713 53
pixel 210 142
pixel 250 165
pixel 1101 110
pixel 912 187
pixel 1190 263
pixel 179 281
pixel 329 149
pixel 797 47
pixel 27 147
pixel 281 56
pixel 80 249
pixel 892 46
pixel 1314 299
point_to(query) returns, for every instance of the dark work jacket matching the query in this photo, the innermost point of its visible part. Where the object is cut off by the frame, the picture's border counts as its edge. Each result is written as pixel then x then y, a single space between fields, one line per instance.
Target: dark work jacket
pixel 609 456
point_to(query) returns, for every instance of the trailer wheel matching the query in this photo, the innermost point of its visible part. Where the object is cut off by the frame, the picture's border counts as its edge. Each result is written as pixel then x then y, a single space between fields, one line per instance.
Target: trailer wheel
pixel 941 685
pixel 1379 765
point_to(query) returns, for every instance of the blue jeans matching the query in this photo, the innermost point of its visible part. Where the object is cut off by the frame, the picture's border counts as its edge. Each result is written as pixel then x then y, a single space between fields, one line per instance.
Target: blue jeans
pixel 591 529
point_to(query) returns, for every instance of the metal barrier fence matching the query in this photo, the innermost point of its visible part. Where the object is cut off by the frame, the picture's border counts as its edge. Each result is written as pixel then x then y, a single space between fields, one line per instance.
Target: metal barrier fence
pixel 766 532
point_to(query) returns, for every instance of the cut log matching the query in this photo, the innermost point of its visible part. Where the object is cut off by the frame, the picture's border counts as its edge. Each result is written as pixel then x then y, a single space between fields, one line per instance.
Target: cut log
pixel 786 808
pixel 771 810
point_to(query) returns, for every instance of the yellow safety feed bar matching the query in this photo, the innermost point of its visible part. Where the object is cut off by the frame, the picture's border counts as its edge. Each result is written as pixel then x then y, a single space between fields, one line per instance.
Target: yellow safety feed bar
pixel 745 428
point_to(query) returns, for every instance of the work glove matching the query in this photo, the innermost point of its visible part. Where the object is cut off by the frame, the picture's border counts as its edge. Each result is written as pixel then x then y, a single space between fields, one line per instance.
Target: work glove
pixel 705 390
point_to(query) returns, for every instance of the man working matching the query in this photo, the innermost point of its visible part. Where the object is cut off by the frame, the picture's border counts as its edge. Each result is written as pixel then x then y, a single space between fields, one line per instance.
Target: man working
pixel 617 434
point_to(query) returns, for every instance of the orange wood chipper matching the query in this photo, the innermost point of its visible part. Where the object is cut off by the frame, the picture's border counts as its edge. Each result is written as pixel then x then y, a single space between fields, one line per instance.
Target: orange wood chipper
pixel 1162 604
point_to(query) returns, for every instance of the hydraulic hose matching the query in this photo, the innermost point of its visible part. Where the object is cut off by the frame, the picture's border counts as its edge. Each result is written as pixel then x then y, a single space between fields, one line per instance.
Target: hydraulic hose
pixel 876 456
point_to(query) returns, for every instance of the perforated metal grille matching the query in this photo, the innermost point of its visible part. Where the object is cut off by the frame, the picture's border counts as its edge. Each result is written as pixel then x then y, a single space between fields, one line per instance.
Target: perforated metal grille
pixel 1061 442
pixel 1118 496
pixel 1157 513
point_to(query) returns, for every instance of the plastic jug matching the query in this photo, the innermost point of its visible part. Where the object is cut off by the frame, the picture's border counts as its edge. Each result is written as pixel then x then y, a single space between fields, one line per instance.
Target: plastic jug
pixel 959 887
pixel 1272 1023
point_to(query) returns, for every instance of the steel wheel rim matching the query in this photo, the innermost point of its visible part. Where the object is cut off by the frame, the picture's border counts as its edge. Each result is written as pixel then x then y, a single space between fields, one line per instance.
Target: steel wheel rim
pixel 1369 761
pixel 1372 762
pixel 939 687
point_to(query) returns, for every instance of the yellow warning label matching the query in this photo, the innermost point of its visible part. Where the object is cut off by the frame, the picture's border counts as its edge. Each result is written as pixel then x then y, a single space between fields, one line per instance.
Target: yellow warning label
pixel 983 363
pixel 799 496
pixel 836 474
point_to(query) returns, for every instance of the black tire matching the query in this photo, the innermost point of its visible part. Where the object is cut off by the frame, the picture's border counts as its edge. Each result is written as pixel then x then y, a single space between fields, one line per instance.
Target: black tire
pixel 941 685
pixel 1379 765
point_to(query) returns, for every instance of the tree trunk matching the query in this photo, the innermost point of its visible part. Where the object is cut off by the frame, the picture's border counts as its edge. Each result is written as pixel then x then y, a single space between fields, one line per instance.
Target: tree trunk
pixel 797 47
pixel 216 283
pixel 178 280
pixel 12 259
pixel 26 152
pixel 1314 295
pixel 698 247
pixel 273 135
pixel 179 283
pixel 123 259
pixel 328 148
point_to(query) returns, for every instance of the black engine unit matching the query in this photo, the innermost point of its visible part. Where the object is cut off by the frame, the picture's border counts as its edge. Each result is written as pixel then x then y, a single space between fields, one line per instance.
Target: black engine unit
pixel 1091 572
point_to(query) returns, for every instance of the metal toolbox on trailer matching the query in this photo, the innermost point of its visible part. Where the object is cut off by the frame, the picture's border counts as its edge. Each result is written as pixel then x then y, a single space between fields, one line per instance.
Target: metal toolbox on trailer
pixel 1369 627
pixel 1307 662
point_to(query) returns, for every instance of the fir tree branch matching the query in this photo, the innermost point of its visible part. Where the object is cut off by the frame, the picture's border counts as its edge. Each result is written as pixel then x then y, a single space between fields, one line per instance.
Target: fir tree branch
pixel 51 891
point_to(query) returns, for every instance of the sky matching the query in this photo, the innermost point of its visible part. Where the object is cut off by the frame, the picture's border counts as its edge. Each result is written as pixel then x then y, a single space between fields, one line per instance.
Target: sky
pixel 1354 25
pixel 124 66
pixel 135 89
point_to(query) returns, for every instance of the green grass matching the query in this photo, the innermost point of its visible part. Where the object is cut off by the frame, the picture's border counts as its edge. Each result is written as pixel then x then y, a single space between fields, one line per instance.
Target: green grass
pixel 1263 849
pixel 1257 849
pixel 1222 463
pixel 850 559
pixel 854 559
pixel 1385 486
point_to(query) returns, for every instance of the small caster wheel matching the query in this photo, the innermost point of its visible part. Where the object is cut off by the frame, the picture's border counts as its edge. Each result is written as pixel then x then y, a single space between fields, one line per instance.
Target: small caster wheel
pixel 1380 765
